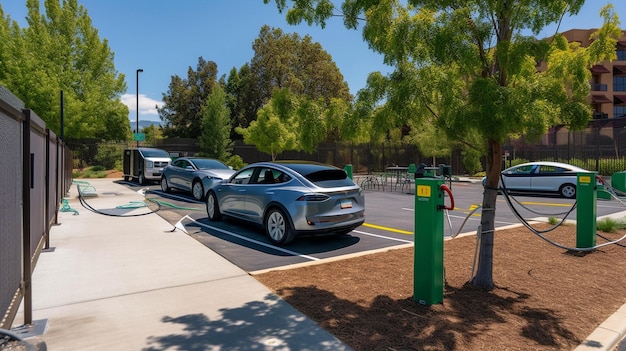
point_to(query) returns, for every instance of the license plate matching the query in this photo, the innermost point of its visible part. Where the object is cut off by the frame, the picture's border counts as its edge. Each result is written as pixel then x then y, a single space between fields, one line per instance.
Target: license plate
pixel 346 203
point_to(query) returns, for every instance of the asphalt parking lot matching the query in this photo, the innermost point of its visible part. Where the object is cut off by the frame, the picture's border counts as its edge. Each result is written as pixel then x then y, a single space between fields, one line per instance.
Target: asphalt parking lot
pixel 390 221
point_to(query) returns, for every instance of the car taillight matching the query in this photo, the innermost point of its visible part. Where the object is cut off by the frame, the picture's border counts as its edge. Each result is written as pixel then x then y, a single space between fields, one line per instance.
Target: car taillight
pixel 313 197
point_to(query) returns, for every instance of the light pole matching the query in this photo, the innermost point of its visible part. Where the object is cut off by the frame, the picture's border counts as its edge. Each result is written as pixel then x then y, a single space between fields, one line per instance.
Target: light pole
pixel 137 95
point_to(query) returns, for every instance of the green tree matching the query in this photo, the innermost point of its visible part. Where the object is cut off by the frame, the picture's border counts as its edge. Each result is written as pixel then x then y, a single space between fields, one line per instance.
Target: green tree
pixel 153 134
pixel 431 141
pixel 274 129
pixel 215 137
pixel 61 51
pixel 185 100
pixel 467 65
pixel 283 61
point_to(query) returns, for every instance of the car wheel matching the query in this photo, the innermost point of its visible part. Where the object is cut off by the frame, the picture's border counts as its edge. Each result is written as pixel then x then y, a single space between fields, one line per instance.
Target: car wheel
pixel 141 179
pixel 212 207
pixel 164 185
pixel 197 189
pixel 278 227
pixel 568 190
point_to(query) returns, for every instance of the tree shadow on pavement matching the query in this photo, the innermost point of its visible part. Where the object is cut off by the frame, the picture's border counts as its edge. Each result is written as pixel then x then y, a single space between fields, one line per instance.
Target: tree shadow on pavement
pixel 256 325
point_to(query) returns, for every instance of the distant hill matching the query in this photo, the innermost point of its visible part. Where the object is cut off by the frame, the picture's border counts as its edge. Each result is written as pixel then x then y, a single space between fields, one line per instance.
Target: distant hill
pixel 144 124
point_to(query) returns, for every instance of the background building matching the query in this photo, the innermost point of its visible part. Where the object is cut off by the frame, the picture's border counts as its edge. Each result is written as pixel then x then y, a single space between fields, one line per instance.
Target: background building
pixel 608 83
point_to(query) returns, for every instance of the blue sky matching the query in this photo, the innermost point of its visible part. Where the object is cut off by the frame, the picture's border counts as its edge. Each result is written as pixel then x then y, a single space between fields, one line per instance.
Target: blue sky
pixel 165 38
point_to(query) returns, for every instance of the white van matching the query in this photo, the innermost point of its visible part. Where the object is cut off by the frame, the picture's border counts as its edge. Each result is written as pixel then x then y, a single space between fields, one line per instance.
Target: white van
pixel 145 164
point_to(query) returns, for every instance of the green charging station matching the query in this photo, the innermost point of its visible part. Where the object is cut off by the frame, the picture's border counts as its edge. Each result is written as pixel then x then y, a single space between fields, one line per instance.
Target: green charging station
pixel 428 234
pixel 586 210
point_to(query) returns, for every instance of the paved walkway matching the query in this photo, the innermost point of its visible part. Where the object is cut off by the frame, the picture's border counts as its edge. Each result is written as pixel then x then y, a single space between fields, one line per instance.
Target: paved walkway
pixel 131 283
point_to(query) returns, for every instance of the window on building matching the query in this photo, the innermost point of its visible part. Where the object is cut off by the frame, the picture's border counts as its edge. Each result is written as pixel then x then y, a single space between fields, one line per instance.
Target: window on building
pixel 621 53
pixel 619 111
pixel 619 83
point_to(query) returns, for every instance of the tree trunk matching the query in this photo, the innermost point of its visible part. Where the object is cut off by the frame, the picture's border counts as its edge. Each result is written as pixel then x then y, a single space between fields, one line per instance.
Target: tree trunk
pixel 484 273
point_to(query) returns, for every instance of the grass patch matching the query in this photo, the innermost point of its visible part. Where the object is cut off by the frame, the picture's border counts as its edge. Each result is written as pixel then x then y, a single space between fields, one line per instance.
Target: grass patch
pixel 610 225
pixel 90 172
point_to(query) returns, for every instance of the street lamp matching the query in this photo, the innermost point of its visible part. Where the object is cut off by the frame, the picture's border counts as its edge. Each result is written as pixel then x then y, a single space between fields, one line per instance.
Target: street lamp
pixel 137 95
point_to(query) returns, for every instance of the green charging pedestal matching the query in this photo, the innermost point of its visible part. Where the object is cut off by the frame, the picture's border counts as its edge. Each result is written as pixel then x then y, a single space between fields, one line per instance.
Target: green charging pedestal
pixel 428 257
pixel 348 169
pixel 586 199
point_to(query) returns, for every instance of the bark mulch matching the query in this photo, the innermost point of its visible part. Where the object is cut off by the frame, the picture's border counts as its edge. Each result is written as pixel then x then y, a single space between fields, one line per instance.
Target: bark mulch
pixel 546 298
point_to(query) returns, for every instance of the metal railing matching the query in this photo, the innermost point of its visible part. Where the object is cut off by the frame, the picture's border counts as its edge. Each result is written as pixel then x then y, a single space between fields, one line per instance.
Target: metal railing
pixel 35 172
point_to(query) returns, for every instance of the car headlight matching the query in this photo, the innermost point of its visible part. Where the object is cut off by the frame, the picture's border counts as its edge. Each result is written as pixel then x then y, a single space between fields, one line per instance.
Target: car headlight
pixel 149 164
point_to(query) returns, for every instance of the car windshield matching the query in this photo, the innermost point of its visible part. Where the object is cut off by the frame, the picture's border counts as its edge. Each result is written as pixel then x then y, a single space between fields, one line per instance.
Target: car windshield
pixel 154 153
pixel 209 164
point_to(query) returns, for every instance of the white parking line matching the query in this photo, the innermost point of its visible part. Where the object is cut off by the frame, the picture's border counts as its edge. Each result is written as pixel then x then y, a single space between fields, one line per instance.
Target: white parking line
pixel 175 197
pixel 382 236
pixel 463 217
pixel 277 248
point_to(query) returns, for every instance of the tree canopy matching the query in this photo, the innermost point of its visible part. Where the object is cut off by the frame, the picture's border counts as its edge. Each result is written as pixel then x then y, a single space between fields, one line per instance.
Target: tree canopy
pixel 185 99
pixel 469 67
pixel 62 51
pixel 283 61
pixel 215 137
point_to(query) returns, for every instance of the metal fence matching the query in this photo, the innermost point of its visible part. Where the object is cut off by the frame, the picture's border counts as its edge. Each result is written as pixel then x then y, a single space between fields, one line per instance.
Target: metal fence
pixel 600 147
pixel 35 172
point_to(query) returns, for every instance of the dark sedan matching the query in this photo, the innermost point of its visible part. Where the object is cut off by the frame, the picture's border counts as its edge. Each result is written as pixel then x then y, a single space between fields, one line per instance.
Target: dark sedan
pixel 290 199
pixel 194 175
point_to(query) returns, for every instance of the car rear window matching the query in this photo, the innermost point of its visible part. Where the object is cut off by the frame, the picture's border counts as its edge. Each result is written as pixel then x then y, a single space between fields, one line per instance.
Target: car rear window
pixel 329 178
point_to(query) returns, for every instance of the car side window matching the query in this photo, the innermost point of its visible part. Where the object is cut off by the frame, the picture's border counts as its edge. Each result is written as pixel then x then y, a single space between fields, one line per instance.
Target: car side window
pixel 265 176
pixel 282 177
pixel 178 163
pixel 243 177
pixel 548 169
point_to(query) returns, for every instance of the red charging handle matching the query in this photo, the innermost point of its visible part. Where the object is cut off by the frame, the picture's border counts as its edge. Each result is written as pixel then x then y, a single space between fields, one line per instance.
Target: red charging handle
pixel 600 180
pixel 447 190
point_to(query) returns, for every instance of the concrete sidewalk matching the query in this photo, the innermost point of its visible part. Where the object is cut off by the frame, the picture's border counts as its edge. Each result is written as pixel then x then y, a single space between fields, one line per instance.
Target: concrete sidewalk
pixel 131 283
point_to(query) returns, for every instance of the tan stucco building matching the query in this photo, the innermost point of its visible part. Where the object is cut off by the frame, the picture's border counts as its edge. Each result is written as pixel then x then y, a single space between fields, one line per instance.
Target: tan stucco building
pixel 608 82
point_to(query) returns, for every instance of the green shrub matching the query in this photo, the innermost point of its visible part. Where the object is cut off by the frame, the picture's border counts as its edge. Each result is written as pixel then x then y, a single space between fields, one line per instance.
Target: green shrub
pixel 98 168
pixel 480 174
pixel 235 161
pixel 109 153
pixel 515 162
pixel 553 220
pixel 471 161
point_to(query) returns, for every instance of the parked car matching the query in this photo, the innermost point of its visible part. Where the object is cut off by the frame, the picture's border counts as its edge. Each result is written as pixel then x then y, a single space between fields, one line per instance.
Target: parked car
pixel 541 177
pixel 145 164
pixel 290 199
pixel 194 175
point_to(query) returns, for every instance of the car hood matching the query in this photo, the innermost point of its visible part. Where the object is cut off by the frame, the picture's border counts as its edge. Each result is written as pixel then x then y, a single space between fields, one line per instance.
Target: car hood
pixel 219 173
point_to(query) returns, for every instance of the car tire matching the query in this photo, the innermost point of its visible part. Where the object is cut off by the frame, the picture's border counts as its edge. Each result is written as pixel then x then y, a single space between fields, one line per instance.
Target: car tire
pixel 164 186
pixel 197 190
pixel 212 207
pixel 278 227
pixel 568 190
pixel 141 179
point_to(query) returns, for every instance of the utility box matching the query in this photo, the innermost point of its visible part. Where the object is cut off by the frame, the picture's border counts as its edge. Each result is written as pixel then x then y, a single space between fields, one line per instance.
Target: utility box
pixel 145 164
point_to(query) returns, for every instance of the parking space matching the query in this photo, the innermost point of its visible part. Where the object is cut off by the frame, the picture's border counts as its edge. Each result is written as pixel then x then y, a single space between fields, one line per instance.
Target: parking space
pixel 389 223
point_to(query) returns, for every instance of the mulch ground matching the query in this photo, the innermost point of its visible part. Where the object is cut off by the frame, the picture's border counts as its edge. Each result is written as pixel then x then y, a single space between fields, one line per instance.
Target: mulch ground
pixel 546 298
